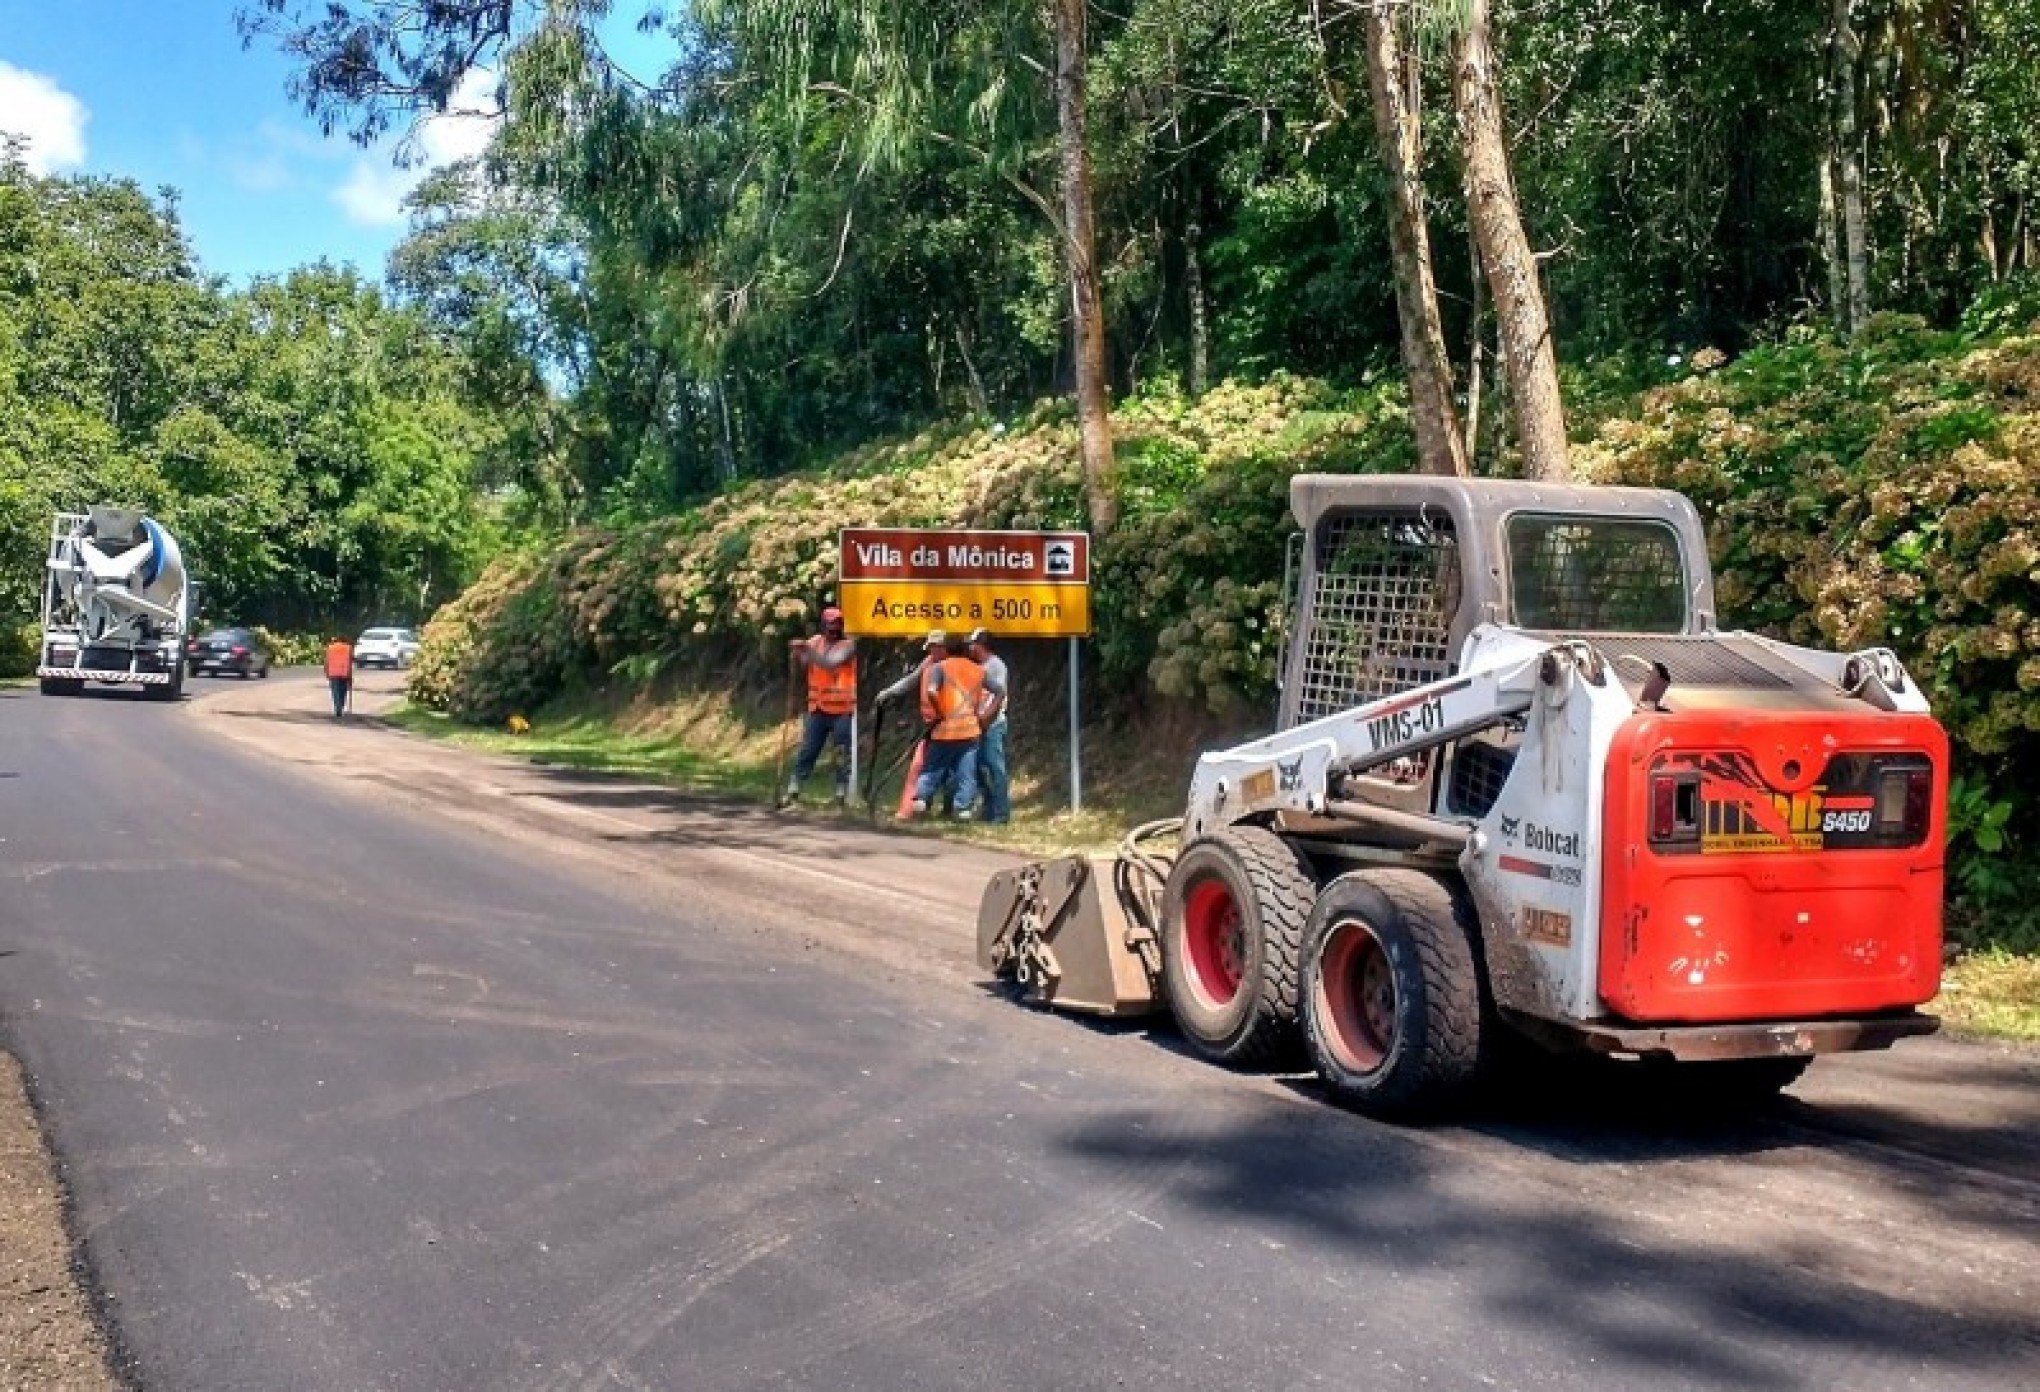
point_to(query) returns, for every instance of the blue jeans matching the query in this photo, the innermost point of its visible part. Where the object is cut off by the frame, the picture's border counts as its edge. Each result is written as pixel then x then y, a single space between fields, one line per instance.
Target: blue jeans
pixel 815 735
pixel 947 759
pixel 993 774
pixel 340 687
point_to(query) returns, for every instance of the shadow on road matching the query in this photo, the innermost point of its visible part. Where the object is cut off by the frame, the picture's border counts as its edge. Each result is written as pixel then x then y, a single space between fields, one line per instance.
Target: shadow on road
pixel 1390 1201
pixel 322 718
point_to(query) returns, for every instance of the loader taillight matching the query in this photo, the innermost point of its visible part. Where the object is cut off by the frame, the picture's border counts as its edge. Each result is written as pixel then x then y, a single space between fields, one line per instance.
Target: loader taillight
pixel 1674 808
pixel 1905 803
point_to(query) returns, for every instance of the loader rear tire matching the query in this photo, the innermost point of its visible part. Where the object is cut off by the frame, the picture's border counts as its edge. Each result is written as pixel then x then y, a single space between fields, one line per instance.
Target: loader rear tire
pixel 1391 1002
pixel 1232 925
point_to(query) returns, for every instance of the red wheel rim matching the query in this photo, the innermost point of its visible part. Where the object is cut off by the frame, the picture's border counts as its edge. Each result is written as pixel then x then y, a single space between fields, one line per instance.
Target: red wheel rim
pixel 1356 997
pixel 1215 942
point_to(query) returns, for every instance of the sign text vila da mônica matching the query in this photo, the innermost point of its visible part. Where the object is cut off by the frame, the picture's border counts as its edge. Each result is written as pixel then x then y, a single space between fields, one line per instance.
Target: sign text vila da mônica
pixel 896 583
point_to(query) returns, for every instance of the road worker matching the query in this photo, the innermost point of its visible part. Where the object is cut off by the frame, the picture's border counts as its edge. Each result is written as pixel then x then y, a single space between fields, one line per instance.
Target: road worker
pixel 829 660
pixel 950 693
pixel 340 673
pixel 909 685
pixel 993 774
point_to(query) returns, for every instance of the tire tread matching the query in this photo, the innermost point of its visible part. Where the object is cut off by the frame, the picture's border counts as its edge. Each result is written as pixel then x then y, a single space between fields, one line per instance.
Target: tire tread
pixel 1286 891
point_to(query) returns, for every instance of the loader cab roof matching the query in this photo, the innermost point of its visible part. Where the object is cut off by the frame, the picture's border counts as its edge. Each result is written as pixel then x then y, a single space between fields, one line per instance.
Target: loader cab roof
pixel 1559 557
pixel 1398 569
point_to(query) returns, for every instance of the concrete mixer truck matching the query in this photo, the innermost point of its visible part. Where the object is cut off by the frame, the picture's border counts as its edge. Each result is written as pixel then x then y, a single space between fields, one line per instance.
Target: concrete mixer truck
pixel 116 605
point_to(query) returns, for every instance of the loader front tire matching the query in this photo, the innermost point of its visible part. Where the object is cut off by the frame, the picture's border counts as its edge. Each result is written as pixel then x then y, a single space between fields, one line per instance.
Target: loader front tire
pixel 1391 997
pixel 1233 913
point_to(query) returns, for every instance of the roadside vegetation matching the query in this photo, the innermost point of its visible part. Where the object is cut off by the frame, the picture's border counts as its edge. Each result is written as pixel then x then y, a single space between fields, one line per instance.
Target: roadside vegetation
pixel 309 440
pixel 878 262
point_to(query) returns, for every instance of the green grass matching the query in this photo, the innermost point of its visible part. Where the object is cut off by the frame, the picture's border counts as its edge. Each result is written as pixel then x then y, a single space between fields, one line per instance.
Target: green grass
pixel 590 740
pixel 1994 994
pixel 585 741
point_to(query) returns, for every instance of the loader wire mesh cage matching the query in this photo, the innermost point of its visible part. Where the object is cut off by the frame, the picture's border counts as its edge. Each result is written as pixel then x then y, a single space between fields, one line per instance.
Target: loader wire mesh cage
pixel 1478 772
pixel 1384 592
pixel 1596 575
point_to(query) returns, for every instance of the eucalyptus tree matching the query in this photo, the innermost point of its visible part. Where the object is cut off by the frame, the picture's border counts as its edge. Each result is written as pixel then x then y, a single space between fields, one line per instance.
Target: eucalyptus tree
pixel 926 71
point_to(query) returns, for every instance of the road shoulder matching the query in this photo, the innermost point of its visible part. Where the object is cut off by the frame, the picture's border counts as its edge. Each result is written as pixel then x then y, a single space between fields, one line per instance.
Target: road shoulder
pixel 48 1336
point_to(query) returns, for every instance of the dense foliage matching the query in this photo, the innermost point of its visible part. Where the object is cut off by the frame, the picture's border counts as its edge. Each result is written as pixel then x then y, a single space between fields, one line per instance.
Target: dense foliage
pixel 307 440
pixel 1187 588
pixel 831 221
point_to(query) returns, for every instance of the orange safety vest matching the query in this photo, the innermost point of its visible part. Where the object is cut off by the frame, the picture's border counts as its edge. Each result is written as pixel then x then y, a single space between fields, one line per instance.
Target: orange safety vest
pixel 830 690
pixel 339 661
pixel 952 707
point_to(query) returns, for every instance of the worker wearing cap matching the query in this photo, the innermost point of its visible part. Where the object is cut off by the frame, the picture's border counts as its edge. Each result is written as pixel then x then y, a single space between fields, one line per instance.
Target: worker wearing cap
pixel 950 696
pixel 829 659
pixel 993 775
pixel 908 685
pixel 340 673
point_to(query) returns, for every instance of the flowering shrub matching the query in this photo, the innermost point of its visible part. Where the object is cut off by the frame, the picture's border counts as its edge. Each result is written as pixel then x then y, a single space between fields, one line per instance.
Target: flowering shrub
pixel 1187 589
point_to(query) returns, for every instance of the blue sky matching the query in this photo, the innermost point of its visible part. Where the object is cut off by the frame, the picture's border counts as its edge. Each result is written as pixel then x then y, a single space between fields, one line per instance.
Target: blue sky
pixel 162 92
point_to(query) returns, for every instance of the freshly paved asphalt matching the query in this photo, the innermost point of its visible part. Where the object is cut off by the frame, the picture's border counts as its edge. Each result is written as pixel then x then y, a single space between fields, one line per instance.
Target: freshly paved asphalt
pixel 351 1095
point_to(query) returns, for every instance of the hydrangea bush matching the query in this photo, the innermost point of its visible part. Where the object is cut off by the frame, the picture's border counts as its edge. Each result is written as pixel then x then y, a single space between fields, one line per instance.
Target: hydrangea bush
pixel 1187 590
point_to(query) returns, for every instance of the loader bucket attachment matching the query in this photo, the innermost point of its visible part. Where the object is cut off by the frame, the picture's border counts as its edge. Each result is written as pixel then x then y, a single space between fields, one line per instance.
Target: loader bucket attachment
pixel 1059 929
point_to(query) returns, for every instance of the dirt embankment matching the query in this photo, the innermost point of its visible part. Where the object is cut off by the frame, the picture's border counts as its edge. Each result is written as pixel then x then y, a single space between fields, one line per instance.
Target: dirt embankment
pixel 48 1338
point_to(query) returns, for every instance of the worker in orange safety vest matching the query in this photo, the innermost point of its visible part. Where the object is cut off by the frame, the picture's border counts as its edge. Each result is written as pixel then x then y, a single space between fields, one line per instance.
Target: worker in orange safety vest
pixel 340 673
pixel 951 692
pixel 829 660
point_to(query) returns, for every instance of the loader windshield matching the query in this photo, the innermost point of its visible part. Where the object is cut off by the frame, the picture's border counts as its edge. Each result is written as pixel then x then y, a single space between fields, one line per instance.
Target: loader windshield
pixel 1578 574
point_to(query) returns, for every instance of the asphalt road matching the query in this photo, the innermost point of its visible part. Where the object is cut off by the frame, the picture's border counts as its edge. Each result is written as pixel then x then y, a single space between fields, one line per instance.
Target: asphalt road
pixel 370 1073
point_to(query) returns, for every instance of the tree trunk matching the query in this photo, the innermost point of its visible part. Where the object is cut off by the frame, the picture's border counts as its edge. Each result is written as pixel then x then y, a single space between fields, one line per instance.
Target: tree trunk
pixel 1441 448
pixel 1474 385
pixel 1521 322
pixel 980 404
pixel 1200 309
pixel 1831 241
pixel 1845 52
pixel 1080 250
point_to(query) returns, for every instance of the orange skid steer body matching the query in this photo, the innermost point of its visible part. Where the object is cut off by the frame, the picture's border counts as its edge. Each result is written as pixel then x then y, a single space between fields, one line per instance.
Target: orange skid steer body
pixel 1521 785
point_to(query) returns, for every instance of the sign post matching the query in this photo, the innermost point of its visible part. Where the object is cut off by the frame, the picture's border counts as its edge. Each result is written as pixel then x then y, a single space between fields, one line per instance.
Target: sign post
pixel 899 583
pixel 1076 763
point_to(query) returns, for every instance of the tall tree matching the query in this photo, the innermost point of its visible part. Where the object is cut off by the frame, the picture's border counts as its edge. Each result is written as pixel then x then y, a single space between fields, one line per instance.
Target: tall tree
pixel 1080 255
pixel 1392 89
pixel 1529 359
pixel 1845 156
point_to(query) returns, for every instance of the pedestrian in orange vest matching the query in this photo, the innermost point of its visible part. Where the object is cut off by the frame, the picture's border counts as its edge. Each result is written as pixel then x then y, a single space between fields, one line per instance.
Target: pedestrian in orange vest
pixel 951 693
pixel 829 660
pixel 340 673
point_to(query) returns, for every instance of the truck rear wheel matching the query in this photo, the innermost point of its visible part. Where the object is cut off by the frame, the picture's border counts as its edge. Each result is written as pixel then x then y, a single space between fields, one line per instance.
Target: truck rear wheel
pixel 1233 913
pixel 1391 997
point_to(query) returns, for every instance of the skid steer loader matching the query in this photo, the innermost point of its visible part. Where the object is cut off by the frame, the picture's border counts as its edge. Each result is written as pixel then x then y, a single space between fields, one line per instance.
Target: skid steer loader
pixel 1522 791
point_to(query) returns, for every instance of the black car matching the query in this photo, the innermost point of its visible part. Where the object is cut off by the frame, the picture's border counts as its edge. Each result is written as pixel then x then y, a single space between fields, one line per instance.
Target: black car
pixel 224 650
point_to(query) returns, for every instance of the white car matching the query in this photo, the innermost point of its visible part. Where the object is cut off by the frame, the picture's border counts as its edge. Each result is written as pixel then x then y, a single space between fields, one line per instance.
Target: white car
pixel 386 647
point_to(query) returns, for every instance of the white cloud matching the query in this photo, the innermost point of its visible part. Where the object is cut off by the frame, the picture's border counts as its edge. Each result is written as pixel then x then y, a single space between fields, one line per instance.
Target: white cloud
pixel 52 120
pixel 375 188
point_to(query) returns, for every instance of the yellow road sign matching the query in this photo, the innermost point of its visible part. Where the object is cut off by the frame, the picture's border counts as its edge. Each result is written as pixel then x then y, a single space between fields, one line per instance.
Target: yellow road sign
pixel 1009 608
